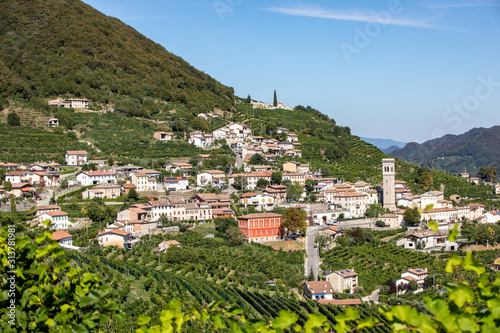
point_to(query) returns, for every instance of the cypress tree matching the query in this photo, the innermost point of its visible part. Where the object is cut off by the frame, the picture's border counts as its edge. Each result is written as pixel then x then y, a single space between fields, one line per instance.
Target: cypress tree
pixel 275 101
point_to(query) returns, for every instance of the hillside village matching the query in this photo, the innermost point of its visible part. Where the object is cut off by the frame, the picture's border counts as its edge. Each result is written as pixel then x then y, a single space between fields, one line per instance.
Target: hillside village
pixel 138 193
pixel 267 176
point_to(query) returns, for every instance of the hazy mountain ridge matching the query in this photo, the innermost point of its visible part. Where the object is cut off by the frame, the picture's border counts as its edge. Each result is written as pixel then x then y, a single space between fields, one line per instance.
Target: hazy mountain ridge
pixel 383 144
pixel 456 153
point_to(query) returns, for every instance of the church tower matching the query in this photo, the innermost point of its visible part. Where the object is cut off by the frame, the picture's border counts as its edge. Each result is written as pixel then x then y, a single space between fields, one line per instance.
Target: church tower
pixel 389 183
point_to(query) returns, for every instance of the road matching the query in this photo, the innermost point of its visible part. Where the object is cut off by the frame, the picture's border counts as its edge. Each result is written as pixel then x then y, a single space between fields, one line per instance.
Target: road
pixel 312 257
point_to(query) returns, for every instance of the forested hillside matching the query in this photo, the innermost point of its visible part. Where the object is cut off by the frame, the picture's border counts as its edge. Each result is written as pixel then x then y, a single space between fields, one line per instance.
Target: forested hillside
pixel 456 153
pixel 67 48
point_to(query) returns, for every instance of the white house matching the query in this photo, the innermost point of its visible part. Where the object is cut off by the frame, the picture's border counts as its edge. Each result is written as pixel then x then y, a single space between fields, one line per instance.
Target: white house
pixel 258 200
pixel 62 237
pixel 118 238
pixel 58 219
pixel 179 166
pixel 176 183
pixel 76 157
pixel 86 178
pixel 355 202
pixel 317 290
pixel 429 241
pixel 418 275
pixel 215 177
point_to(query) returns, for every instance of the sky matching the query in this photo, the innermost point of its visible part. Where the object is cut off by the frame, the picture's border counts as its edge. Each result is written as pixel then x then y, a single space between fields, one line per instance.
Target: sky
pixel 398 69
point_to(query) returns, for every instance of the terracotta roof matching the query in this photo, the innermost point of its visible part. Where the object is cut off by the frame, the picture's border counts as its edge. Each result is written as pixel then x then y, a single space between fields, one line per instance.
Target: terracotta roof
pixel 248 195
pixel 259 216
pixel 129 186
pixel 56 213
pixel 319 287
pixel 171 242
pixel 355 301
pixel 15 173
pixel 76 152
pixel 117 232
pixel 60 234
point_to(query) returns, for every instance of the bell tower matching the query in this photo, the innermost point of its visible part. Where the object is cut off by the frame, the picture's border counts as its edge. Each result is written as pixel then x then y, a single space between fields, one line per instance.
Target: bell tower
pixel 388 174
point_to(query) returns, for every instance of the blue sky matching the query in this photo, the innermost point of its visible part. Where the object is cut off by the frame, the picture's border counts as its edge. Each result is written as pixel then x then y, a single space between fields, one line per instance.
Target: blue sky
pixel 405 70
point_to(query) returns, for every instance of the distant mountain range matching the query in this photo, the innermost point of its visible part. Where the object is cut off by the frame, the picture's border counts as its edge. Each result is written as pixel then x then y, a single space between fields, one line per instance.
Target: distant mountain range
pixel 386 145
pixel 477 148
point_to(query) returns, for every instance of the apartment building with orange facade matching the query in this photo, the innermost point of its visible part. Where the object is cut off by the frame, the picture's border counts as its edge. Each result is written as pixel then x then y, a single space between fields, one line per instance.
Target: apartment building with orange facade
pixel 260 227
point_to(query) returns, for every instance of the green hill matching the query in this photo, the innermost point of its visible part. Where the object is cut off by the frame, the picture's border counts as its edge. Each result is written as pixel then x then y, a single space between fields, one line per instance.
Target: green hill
pixel 67 48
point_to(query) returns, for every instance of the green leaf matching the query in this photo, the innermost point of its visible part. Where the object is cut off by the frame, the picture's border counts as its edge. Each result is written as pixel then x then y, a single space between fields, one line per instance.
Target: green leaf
pixel 286 319
pixel 453 233
pixel 314 321
pixel 143 320
pixel 461 294
pixel 452 262
pixel 467 324
pixel 472 264
pixel 88 300
pixel 433 225
pixel 367 322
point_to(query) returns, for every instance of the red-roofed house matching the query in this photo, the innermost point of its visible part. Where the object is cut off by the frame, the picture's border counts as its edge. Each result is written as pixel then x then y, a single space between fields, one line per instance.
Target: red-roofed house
pixel 62 237
pixel 318 290
pixel 76 157
pixel 118 238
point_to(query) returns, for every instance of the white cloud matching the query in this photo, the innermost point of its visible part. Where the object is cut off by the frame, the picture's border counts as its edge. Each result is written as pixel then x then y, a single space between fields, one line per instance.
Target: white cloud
pixel 345 15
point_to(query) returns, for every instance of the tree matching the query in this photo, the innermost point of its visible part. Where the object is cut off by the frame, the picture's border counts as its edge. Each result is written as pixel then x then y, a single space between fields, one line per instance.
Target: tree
pixel 313 197
pixel 249 99
pixel 294 191
pixel 385 290
pixel 234 236
pixel 13 119
pixel 380 224
pixel 292 220
pixel 262 183
pixel 240 183
pixel 12 203
pixel 491 174
pixel 7 186
pixel 424 178
pixel 325 172
pixel 63 184
pixel 276 177
pixel 311 276
pixel 132 194
pixel 412 216
pixel 322 240
pixel 222 224
pixel 110 161
pixel 310 183
pixel 413 285
pixel 283 137
pixel 257 159
pixel 195 160
pixel 374 210
pixel 275 99
pixel 200 124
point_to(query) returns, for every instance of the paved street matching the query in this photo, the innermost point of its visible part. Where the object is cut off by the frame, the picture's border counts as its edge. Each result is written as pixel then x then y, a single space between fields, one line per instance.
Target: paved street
pixel 312 258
